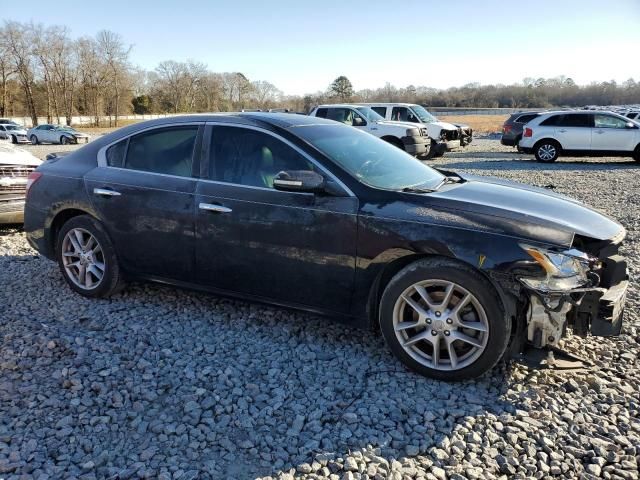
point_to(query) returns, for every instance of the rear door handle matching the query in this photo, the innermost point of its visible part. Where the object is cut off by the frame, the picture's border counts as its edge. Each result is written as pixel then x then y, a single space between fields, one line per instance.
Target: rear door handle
pixel 106 192
pixel 562 131
pixel 210 207
pixel 599 132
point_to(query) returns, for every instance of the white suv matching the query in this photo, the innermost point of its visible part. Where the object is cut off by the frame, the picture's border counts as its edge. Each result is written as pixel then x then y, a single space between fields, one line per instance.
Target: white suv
pixel 579 133
pixel 410 137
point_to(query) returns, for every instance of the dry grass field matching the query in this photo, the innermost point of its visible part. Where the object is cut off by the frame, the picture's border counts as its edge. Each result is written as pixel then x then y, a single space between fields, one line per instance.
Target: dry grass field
pixel 479 123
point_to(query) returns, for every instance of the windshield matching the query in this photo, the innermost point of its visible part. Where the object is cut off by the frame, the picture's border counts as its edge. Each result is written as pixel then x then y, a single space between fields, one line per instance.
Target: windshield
pixel 370 115
pixel 65 127
pixel 370 160
pixel 13 127
pixel 423 115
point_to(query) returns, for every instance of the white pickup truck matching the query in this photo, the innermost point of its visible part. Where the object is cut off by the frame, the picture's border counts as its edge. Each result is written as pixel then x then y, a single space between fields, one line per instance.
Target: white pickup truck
pixel 446 136
pixel 412 138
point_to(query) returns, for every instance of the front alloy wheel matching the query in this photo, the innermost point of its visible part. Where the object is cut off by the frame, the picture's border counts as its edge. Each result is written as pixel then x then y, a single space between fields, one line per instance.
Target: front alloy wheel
pixel 443 319
pixel 440 324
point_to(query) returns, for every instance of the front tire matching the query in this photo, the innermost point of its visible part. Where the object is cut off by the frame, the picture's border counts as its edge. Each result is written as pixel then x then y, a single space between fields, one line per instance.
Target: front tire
pixel 547 151
pixel 395 142
pixel 441 319
pixel 64 140
pixel 34 140
pixel 636 154
pixel 87 259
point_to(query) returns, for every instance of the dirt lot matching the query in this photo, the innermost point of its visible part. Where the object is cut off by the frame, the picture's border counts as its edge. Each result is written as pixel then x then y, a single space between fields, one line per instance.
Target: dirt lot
pixel 479 123
pixel 158 382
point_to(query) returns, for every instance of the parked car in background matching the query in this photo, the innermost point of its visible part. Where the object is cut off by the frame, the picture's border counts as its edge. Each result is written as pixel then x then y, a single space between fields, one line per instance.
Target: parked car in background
pixel 456 270
pixel 13 132
pixel 62 134
pixel 407 136
pixel 15 167
pixel 633 115
pixel 445 136
pixel 6 121
pixel 513 127
pixel 580 133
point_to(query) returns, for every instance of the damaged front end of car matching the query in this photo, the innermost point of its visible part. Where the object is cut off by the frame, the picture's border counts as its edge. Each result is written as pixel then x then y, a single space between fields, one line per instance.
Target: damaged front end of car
pixel 582 288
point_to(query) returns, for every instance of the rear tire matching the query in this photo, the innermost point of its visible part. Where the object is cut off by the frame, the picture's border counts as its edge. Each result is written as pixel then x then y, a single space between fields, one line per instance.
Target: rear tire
pixel 395 142
pixel 87 259
pixel 636 154
pixel 547 151
pixel 34 140
pixel 432 151
pixel 464 318
pixel 64 140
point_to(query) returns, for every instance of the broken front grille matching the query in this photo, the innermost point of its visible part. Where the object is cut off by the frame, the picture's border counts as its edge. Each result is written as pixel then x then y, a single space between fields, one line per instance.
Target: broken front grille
pixel 13 178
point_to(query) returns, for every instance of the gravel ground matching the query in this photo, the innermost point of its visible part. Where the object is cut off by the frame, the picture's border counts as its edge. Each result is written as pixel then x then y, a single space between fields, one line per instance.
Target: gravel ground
pixel 162 383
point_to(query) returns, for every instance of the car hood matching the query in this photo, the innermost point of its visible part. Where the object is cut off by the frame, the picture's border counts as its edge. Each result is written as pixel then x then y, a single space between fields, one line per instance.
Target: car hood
pixel 507 208
pixel 444 125
pixel 17 156
pixel 537 213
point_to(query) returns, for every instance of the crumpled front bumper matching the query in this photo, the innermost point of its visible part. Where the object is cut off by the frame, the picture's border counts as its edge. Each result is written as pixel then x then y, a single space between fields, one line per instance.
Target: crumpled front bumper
pixel 601 310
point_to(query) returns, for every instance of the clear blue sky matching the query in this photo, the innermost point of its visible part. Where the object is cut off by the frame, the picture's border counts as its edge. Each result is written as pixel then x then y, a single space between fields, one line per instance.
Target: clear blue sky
pixel 301 46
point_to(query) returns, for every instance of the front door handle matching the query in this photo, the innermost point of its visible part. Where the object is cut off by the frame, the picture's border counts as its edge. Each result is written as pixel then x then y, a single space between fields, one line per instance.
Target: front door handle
pixel 562 131
pixel 210 207
pixel 599 132
pixel 106 192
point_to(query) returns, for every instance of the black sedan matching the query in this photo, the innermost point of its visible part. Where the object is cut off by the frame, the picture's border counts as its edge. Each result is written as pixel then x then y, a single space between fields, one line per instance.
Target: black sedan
pixel 455 270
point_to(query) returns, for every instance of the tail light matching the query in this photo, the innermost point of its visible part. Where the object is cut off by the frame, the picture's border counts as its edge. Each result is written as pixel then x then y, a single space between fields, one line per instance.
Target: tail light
pixel 528 132
pixel 506 128
pixel 31 180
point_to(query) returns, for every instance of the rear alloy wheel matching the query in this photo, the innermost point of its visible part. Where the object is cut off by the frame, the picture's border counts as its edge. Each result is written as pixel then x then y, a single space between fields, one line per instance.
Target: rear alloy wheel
pixel 64 140
pixel 547 151
pixel 443 321
pixel 87 259
pixel 34 140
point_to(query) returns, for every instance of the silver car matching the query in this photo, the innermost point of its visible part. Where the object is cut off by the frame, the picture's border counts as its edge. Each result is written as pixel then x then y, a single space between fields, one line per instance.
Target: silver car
pixel 13 132
pixel 61 134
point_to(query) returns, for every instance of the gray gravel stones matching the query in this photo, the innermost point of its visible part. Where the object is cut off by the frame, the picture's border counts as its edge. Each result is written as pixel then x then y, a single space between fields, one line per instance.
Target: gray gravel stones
pixel 162 383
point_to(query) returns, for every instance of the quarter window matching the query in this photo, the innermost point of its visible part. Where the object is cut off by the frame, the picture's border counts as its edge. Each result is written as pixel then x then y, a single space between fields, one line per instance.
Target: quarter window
pixel 552 121
pixel 166 150
pixel 382 111
pixel 607 121
pixel 525 118
pixel 249 157
pixel 115 153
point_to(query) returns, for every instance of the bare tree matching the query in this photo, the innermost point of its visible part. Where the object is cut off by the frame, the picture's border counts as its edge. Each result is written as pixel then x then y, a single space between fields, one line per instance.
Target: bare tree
pixel 17 42
pixel 115 56
pixel 264 94
pixel 6 71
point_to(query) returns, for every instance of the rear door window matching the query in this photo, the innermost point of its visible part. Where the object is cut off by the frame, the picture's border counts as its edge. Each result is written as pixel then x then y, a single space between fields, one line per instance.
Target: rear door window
pixel 321 112
pixel 576 120
pixel 552 121
pixel 164 150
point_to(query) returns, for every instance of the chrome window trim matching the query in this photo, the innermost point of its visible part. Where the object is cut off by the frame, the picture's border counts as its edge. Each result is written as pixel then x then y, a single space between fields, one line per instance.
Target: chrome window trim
pixel 102 153
pixel 322 168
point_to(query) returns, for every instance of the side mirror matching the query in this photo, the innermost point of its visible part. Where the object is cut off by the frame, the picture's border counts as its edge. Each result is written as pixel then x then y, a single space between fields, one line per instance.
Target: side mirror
pixel 299 181
pixel 358 122
pixel 631 125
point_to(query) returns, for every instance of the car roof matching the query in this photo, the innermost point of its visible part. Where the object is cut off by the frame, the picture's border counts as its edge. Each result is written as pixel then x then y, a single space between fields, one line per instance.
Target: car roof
pixel 342 105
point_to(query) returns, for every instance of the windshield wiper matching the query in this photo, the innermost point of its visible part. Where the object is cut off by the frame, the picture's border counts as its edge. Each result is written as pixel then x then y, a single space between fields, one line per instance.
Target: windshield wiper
pixel 417 190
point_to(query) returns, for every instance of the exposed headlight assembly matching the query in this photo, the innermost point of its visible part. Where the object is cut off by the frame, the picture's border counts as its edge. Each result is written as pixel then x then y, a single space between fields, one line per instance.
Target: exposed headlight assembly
pixel 564 271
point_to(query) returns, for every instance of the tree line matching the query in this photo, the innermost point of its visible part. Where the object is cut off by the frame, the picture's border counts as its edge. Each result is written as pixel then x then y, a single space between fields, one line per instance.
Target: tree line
pixel 45 72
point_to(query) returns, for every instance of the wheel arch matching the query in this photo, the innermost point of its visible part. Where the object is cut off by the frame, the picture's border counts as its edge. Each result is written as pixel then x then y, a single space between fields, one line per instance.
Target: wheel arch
pixel 393 140
pixel 548 139
pixel 508 300
pixel 58 220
